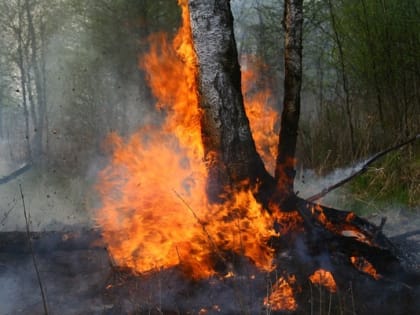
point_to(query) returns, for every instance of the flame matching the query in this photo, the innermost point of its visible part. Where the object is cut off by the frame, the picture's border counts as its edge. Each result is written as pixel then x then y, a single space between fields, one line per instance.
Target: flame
pixel 324 278
pixel 286 221
pixel 345 228
pixel 365 266
pixel 262 117
pixel 154 211
pixel 172 76
pixel 281 297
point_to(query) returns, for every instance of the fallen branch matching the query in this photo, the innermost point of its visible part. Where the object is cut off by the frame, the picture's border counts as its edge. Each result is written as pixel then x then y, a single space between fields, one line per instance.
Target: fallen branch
pixel 28 234
pixel 363 169
pixel 13 175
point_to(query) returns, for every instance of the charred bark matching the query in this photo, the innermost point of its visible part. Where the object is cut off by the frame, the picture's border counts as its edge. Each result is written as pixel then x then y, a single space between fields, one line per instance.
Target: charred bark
pixel 229 148
pixel 285 164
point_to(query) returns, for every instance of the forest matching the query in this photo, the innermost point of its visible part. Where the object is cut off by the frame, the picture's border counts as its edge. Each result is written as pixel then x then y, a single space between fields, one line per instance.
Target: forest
pixel 99 130
pixel 70 75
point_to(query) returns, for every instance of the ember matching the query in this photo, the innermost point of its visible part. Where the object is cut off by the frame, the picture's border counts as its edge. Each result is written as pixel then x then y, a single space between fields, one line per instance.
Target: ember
pixel 365 266
pixel 324 278
pixel 281 297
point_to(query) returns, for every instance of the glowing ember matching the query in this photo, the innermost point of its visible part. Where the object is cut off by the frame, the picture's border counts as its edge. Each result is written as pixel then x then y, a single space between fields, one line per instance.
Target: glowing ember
pixel 286 221
pixel 344 229
pixel 324 278
pixel 365 266
pixel 154 211
pixel 281 297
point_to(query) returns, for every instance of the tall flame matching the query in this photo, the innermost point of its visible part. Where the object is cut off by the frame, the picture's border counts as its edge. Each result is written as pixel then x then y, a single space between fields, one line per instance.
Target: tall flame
pixel 262 117
pixel 154 211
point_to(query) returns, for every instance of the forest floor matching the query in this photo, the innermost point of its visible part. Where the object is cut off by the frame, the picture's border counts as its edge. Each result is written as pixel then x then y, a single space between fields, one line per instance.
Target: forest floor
pixel 78 278
pixel 77 273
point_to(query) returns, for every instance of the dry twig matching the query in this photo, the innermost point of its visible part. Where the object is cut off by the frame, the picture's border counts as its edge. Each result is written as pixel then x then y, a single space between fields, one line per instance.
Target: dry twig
pixel 28 234
pixel 362 170
pixel 203 226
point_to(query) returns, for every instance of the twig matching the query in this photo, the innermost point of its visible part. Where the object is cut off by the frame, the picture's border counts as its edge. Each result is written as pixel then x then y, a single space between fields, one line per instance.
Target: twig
pixel 329 304
pixel 28 234
pixel 352 298
pixel 203 226
pixel 7 212
pixel 362 170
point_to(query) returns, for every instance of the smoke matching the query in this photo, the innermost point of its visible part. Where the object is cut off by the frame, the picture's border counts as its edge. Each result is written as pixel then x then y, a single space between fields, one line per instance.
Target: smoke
pixel 72 279
pixel 308 183
pixel 90 92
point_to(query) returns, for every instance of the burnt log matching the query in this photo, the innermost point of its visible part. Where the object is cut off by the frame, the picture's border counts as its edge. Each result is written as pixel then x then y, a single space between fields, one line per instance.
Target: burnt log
pixel 345 238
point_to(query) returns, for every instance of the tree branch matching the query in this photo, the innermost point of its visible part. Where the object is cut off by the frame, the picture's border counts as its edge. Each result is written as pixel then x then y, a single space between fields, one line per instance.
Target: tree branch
pixel 13 175
pixel 362 170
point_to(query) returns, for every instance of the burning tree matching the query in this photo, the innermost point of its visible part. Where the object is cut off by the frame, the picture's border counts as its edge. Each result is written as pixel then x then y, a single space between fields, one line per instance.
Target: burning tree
pixel 194 192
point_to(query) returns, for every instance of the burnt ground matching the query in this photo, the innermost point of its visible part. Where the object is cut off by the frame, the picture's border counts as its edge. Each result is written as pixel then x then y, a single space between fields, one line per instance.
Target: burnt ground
pixel 79 278
pixel 403 229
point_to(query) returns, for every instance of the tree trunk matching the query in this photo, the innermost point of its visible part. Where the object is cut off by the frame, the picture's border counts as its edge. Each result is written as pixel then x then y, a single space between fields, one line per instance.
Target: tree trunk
pixel 40 97
pixel 229 148
pixel 346 91
pixel 21 66
pixel 285 164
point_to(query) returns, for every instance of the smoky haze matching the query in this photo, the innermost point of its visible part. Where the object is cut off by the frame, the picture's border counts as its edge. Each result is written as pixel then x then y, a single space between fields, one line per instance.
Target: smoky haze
pixel 77 83
pixel 70 76
pixel 79 79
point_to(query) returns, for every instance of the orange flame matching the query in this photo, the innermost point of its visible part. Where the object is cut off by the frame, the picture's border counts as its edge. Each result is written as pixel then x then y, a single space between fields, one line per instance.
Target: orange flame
pixel 262 117
pixel 365 266
pixel 281 297
pixel 324 278
pixel 345 228
pixel 154 211
pixel 172 77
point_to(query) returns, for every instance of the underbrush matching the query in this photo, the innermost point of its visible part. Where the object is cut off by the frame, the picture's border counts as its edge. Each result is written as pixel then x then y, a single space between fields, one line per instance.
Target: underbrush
pixel 393 180
pixel 325 145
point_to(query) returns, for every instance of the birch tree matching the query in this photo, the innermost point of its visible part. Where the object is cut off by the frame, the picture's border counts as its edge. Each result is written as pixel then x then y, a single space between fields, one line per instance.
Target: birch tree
pixel 230 149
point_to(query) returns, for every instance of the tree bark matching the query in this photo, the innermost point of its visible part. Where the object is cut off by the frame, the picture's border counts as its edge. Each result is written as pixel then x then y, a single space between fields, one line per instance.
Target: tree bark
pixel 229 147
pixel 40 92
pixel 343 70
pixel 21 66
pixel 285 164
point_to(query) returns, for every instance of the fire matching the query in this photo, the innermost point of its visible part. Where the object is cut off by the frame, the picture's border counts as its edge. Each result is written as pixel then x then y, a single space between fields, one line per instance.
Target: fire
pixel 286 221
pixel 324 278
pixel 172 76
pixel 345 229
pixel 365 266
pixel 262 117
pixel 154 211
pixel 281 297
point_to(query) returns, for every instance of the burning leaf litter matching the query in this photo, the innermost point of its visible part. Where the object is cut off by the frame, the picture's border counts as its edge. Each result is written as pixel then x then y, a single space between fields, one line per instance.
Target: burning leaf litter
pixel 324 278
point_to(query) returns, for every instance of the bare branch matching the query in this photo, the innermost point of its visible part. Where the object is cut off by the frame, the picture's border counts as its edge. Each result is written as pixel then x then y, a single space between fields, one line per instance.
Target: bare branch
pixel 362 170
pixel 203 226
pixel 13 175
